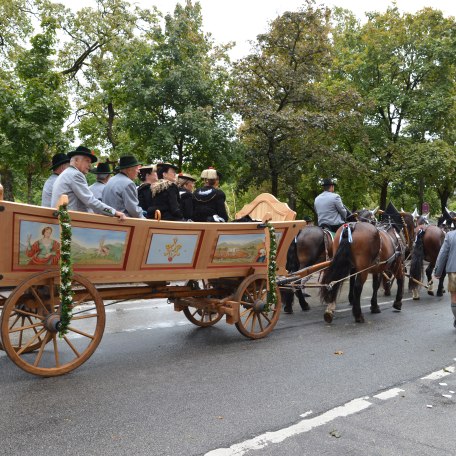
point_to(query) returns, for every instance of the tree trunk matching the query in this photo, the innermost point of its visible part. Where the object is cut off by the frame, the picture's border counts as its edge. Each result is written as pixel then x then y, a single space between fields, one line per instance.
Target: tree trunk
pixel 383 195
pixel 420 195
pixel 29 188
pixel 110 132
pixel 7 182
pixel 444 195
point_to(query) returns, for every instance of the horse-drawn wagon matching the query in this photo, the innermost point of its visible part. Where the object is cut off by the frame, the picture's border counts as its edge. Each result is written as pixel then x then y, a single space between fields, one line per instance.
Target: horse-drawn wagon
pixel 207 270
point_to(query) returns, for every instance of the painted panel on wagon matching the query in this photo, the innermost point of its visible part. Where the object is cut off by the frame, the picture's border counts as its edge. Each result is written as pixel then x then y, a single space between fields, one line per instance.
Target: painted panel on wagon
pixel 241 248
pixel 40 245
pixel 170 249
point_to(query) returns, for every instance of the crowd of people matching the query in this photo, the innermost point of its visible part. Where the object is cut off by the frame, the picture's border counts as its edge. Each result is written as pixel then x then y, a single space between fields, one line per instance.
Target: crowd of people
pixel 163 193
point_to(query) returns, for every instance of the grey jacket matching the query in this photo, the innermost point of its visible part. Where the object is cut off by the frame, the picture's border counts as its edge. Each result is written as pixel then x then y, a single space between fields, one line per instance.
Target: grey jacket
pixel 46 196
pixel 330 209
pixel 97 190
pixel 447 255
pixel 74 184
pixel 120 192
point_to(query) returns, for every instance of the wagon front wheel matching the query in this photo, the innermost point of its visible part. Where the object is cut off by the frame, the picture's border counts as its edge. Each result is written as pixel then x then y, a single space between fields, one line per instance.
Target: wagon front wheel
pixel 31 318
pixel 256 320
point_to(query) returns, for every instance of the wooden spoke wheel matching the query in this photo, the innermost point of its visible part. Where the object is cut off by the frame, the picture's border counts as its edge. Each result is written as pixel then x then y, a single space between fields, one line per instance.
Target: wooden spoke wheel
pixel 31 318
pixel 201 317
pixel 255 320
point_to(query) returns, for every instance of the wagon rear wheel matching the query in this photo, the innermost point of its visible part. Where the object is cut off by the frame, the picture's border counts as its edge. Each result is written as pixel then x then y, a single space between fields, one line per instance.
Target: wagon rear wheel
pixel 30 320
pixel 201 317
pixel 255 320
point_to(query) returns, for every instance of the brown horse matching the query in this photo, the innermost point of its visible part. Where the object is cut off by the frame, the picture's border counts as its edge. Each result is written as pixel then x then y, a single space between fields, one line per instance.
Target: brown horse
pixel 313 245
pixel 429 239
pixel 362 249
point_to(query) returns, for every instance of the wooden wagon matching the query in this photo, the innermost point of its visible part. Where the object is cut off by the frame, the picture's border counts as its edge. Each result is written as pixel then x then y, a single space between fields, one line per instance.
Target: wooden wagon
pixel 207 270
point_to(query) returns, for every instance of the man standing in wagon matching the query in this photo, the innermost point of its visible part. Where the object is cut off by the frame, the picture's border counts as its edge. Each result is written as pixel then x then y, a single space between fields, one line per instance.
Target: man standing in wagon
pixel 72 182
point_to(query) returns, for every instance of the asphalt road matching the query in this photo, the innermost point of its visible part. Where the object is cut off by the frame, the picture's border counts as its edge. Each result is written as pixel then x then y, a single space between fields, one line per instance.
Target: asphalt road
pixel 157 385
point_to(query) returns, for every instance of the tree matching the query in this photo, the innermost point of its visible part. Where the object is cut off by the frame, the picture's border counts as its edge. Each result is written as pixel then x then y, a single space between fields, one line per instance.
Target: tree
pixel 402 65
pixel 35 107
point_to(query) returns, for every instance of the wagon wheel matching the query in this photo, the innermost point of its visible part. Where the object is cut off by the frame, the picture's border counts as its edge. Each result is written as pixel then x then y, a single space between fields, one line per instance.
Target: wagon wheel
pixel 254 321
pixel 30 321
pixel 201 317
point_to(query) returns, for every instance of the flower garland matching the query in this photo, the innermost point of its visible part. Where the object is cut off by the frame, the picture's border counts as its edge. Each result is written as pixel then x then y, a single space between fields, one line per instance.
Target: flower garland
pixel 272 266
pixel 66 271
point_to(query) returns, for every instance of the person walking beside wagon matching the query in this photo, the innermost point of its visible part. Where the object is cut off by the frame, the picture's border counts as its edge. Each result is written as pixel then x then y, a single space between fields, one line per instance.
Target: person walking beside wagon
pixel 209 201
pixel 72 182
pixel 446 261
pixel 60 163
pixel 120 192
pixel 331 212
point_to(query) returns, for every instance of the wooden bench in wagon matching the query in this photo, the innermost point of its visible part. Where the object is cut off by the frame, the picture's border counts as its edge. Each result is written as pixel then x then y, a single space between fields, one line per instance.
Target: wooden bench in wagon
pixel 220 269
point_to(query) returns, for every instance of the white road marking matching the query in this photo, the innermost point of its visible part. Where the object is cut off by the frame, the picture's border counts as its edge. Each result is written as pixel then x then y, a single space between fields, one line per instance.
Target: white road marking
pixel 368 305
pixel 439 374
pixel 261 441
pixel 393 392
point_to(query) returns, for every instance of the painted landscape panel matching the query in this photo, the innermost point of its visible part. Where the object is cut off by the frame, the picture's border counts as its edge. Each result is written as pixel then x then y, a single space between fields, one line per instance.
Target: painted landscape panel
pixel 170 249
pixel 40 245
pixel 241 248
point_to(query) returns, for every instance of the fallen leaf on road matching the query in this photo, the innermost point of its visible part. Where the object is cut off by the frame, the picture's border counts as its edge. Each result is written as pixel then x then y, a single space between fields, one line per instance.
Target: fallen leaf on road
pixel 335 434
pixel 338 352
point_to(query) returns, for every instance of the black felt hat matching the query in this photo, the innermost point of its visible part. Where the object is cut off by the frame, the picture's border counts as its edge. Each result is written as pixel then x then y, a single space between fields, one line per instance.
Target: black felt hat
pixel 326 182
pixel 59 159
pixel 102 168
pixel 81 150
pixel 128 161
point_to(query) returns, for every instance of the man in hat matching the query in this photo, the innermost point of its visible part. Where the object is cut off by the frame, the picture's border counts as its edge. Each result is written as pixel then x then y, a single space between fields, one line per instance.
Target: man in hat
pixel 103 172
pixel 331 212
pixel 120 192
pixel 186 184
pixel 60 163
pixel 72 182
pixel 164 195
pixel 209 201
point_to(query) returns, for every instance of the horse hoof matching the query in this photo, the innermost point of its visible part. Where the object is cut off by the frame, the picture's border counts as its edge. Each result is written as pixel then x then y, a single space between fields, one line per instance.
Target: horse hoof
pixel 415 299
pixel 375 310
pixel 360 319
pixel 287 310
pixel 305 308
pixel 328 316
pixel 454 323
pixel 397 306
pixel 387 293
pixel 430 293
pixel 439 294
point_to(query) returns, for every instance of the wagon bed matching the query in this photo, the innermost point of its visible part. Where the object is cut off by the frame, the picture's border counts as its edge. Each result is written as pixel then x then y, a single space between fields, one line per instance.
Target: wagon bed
pixel 223 267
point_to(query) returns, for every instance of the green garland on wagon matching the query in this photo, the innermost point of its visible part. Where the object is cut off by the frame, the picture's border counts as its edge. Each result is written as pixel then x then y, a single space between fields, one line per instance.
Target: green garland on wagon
pixel 66 271
pixel 272 267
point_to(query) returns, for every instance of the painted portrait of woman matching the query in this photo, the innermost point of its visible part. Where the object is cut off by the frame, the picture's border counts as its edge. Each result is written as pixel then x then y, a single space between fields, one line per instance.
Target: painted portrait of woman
pixel 45 250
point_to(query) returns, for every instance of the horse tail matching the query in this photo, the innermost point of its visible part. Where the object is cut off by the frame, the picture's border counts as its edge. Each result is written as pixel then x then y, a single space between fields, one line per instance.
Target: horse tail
pixel 416 261
pixel 292 264
pixel 340 267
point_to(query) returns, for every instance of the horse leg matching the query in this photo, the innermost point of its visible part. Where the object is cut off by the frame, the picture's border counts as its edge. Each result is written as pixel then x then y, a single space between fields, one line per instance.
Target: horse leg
pixel 400 286
pixel 375 309
pixel 302 300
pixel 387 285
pixel 440 289
pixel 357 290
pixel 351 293
pixel 329 312
pixel 287 298
pixel 430 289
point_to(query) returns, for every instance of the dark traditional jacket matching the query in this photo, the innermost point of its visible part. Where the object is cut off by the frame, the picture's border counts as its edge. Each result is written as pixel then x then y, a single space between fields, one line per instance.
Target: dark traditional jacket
pixel 186 203
pixel 164 196
pixel 207 202
pixel 144 196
